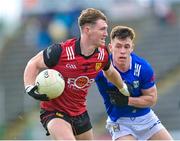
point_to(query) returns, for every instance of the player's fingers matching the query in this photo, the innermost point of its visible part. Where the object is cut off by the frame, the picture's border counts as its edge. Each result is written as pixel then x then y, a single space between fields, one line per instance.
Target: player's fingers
pixel 34 88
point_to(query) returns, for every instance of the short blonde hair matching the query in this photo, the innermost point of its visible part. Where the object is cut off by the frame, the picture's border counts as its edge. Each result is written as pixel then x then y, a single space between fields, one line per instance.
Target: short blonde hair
pixel 122 32
pixel 90 16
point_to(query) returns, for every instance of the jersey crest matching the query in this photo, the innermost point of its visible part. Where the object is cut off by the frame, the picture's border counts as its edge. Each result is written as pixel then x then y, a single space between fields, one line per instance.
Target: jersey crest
pixel 98 66
pixel 135 84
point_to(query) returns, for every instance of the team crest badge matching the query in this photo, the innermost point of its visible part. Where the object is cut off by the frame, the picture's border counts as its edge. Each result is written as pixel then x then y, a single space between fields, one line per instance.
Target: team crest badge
pixel 116 128
pixel 135 84
pixel 98 66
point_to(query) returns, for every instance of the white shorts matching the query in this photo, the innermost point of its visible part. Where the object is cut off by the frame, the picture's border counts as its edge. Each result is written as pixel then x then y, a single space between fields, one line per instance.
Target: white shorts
pixel 142 127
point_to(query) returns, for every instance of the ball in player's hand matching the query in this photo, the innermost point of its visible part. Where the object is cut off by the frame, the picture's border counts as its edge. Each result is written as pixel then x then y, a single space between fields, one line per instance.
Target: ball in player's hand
pixel 50 82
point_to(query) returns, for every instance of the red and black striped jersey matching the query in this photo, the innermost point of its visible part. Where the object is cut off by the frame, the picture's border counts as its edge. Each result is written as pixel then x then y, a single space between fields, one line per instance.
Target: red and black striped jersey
pixel 78 71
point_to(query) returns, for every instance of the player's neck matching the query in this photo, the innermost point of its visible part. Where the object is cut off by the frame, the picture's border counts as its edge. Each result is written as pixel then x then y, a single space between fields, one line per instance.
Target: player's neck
pixel 123 67
pixel 86 47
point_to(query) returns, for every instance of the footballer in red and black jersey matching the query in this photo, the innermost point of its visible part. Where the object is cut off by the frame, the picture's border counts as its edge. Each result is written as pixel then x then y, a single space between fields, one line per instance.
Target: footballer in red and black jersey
pixel 78 71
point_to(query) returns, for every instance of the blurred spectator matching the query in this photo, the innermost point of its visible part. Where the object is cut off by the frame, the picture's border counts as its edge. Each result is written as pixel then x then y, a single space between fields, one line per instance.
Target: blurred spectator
pixel 64 25
pixel 164 12
pixel 58 30
pixel 44 29
pixel 32 27
pixel 44 38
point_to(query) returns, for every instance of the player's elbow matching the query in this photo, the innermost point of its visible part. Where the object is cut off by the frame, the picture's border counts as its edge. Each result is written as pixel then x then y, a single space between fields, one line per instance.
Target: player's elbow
pixel 153 99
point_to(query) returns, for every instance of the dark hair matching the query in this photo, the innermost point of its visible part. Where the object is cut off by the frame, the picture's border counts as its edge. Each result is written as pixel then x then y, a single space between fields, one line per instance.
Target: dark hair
pixel 122 32
pixel 90 16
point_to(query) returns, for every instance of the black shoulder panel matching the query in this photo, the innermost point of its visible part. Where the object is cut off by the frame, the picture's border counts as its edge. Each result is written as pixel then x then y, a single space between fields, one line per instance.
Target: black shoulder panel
pixel 51 55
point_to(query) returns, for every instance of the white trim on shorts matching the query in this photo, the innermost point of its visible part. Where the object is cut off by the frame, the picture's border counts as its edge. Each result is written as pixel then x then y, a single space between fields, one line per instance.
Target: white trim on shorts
pixel 142 127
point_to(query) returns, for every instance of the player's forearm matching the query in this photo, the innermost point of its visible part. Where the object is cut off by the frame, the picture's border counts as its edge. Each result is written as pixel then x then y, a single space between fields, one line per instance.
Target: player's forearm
pixel 142 101
pixel 34 66
pixel 114 77
pixel 30 74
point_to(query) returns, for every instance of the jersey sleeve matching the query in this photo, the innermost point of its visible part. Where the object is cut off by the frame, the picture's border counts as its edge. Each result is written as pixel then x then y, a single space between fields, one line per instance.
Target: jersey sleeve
pixel 51 55
pixel 106 67
pixel 148 77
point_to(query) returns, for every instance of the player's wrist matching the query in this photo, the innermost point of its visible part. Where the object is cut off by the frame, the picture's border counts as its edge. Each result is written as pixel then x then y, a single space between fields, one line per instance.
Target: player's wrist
pixel 32 91
pixel 124 90
pixel 28 87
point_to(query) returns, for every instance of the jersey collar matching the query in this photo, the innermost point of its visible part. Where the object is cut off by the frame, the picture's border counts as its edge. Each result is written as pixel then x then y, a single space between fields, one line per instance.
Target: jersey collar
pixel 78 48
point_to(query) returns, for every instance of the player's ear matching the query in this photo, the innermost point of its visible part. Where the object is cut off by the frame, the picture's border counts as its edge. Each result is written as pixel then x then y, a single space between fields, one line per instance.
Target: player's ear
pixel 133 46
pixel 86 29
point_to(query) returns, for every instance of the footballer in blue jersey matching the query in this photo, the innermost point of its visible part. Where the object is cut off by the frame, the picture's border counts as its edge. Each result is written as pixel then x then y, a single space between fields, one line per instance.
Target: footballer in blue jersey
pixel 130 117
pixel 139 76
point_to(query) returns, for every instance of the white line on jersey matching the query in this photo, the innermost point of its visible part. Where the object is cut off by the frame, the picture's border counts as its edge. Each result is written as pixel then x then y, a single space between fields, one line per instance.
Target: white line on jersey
pixel 101 54
pixel 70 53
pixel 137 69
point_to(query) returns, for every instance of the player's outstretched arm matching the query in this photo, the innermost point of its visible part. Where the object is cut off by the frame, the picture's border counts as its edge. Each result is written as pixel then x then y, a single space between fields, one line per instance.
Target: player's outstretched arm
pixel 33 67
pixel 113 76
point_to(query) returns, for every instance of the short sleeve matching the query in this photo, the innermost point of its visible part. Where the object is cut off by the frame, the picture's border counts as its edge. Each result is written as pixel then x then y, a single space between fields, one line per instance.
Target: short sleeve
pixel 148 77
pixel 107 65
pixel 52 54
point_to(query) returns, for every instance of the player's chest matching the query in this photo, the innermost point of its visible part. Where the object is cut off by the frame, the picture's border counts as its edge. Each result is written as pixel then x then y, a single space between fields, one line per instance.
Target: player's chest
pixel 80 67
pixel 133 81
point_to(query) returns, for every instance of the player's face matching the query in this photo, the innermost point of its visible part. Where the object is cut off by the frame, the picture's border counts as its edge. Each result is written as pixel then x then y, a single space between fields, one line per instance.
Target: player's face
pixel 121 50
pixel 98 33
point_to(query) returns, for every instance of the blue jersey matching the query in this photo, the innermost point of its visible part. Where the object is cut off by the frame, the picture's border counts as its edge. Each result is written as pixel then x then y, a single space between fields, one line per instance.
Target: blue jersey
pixel 139 76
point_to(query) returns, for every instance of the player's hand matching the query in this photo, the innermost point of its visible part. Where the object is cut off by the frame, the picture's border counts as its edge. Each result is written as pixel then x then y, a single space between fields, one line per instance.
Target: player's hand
pixel 117 98
pixel 32 91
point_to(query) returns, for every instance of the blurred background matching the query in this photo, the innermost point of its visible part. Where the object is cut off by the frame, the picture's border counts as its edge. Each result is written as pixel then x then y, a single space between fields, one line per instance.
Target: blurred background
pixel 28 26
